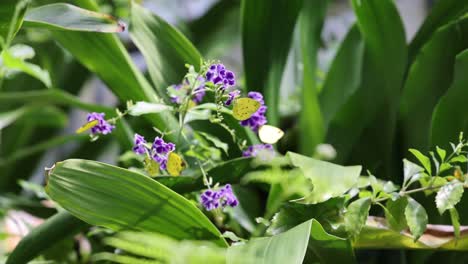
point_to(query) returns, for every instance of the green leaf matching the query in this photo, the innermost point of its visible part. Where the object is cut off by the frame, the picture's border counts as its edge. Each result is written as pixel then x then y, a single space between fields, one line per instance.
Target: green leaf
pixel 356 216
pixel 395 213
pixel 442 153
pixel 410 171
pixel 429 77
pixel 460 158
pixel 106 56
pixel 342 81
pixel 143 108
pixel 216 142
pixel 368 116
pixel 61 16
pixel 311 124
pixel 11 62
pixel 264 64
pixel 423 159
pixel 447 120
pixel 377 235
pixel 43 116
pixel 165 49
pixel 287 247
pixel 449 195
pixel 86 187
pixel 329 248
pixel 7 13
pixel 416 217
pixel 441 13
pixel 329 180
pixel 455 218
pixel 58 227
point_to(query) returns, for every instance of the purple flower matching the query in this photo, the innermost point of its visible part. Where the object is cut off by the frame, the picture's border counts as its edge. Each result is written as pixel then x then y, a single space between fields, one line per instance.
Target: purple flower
pixel 103 127
pixel 160 151
pixel 254 150
pixel 139 144
pixel 258 119
pixel 231 96
pixel 174 98
pixel 199 92
pixel 218 74
pixel 211 199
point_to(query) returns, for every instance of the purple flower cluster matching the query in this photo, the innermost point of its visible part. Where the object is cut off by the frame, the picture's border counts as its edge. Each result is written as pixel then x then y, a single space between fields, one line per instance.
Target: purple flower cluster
pixel 159 149
pixel 258 119
pixel 254 150
pixel 218 74
pixel 103 127
pixel 140 142
pixel 231 96
pixel 211 199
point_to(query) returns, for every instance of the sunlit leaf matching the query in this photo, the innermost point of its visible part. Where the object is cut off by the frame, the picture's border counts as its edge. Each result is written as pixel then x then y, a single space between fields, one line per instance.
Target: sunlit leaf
pixel 449 195
pixel 416 217
pixel 423 159
pixel 142 108
pixel 356 215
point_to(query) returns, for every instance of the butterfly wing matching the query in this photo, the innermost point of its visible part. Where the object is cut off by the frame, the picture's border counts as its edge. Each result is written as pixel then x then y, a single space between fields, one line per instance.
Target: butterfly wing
pixel 244 108
pixel 87 126
pixel 175 164
pixel 270 134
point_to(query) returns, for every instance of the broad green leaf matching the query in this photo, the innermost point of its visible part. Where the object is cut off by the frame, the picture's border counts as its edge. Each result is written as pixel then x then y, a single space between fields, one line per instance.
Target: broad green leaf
pixel 455 218
pixel 441 13
pixel 342 81
pixel 429 77
pixel 423 159
pixel 368 117
pixel 43 116
pixel 264 64
pixel 447 119
pixel 449 195
pixel 106 56
pixel 311 124
pixel 377 235
pixel 58 227
pixel 61 16
pixel 328 248
pixel 287 247
pixel 85 187
pixel 13 63
pixel 416 217
pixel 395 213
pixel 165 49
pixel 329 180
pixel 142 108
pixel 411 171
pixel 7 14
pixel 356 216
pixel 155 248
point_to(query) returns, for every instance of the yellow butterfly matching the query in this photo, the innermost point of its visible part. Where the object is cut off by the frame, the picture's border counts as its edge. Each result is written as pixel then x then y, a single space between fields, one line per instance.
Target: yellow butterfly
pixel 175 164
pixel 87 126
pixel 151 166
pixel 270 134
pixel 244 108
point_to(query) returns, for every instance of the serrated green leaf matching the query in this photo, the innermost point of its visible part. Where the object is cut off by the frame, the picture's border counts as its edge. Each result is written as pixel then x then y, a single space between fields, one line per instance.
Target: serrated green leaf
pixel 449 195
pixel 423 159
pixel 329 180
pixel 395 213
pixel 85 187
pixel 61 16
pixel 356 216
pixel 416 217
